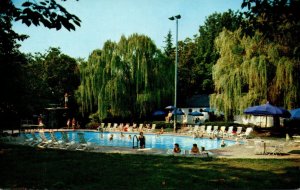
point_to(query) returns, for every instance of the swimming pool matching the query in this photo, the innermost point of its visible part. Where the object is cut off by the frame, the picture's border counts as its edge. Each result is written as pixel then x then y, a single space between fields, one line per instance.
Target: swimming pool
pixel 164 141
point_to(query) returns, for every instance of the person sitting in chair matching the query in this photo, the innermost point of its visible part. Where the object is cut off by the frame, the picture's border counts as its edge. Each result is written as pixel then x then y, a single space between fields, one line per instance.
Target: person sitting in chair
pixel 161 131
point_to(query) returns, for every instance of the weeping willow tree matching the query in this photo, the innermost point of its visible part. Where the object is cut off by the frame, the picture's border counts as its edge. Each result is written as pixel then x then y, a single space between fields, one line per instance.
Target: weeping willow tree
pixel 252 71
pixel 127 79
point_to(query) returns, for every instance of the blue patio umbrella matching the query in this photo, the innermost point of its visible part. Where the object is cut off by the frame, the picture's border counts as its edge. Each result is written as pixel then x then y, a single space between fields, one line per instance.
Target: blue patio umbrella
pixel 196 113
pixel 267 110
pixel 295 113
pixel 178 112
pixel 208 110
pixel 170 107
pixel 158 113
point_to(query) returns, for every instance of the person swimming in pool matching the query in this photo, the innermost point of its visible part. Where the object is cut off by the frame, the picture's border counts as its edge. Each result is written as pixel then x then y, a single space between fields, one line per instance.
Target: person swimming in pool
pixel 223 144
pixel 195 149
pixel 122 135
pixel 176 148
pixel 142 140
pixel 111 137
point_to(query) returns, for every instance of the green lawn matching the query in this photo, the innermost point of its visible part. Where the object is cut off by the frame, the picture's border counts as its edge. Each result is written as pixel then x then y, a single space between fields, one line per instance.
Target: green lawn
pixel 26 167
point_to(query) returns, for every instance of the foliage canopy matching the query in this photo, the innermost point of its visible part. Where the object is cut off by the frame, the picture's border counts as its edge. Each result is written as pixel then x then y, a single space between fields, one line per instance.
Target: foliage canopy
pixel 251 71
pixel 125 79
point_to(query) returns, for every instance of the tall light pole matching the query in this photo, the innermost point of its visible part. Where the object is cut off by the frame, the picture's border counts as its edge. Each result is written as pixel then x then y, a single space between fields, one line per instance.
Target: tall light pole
pixel 177 17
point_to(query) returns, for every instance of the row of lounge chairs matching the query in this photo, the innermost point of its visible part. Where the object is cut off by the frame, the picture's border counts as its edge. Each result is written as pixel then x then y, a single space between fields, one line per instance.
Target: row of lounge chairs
pixel 218 131
pixel 127 127
pixel 42 141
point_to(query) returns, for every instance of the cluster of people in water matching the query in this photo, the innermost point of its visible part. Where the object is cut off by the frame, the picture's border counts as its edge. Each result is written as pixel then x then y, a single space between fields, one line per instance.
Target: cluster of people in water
pixel 111 137
pixel 141 138
pixel 142 142
pixel 194 150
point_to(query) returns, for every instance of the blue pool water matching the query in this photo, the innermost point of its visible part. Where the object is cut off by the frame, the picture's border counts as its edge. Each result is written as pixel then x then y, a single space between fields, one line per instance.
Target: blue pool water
pixel 152 141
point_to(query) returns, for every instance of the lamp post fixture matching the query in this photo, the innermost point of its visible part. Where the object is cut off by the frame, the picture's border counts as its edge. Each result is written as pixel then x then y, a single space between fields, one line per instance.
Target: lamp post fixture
pixel 177 17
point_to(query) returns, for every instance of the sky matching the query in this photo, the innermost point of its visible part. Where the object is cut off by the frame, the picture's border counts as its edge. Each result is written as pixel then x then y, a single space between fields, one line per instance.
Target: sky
pixel 104 20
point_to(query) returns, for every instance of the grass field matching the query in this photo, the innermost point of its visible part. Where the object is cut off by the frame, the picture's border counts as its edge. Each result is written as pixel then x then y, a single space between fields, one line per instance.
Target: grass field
pixel 26 167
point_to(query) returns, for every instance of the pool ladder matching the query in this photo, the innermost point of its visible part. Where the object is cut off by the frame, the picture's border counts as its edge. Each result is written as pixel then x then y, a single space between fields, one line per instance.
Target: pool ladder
pixel 137 142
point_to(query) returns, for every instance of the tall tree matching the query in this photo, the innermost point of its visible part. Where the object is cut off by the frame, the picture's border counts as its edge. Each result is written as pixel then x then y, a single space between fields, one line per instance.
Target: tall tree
pixel 266 63
pixel 169 48
pixel 251 71
pixel 11 71
pixel 207 55
pixel 277 19
pixel 51 15
pixel 127 79
pixel 49 77
pixel 187 85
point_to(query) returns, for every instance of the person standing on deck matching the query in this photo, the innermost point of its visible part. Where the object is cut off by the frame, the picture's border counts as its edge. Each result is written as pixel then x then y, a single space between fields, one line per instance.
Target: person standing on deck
pixel 73 123
pixel 68 123
pixel 66 96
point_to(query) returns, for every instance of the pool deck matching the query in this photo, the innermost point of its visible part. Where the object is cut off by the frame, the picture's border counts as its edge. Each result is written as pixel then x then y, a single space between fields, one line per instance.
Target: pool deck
pixel 291 150
pixel 234 151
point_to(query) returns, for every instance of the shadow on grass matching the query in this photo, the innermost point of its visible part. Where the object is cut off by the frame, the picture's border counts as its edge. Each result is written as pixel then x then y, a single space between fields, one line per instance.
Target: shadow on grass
pixel 26 167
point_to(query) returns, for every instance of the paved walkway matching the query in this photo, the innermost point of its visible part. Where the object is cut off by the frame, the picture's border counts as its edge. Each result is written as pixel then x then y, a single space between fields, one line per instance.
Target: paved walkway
pixel 234 151
pixel 290 151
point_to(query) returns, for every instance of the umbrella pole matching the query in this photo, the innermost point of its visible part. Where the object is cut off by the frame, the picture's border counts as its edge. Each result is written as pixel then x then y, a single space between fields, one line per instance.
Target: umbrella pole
pixel 266 120
pixel 260 121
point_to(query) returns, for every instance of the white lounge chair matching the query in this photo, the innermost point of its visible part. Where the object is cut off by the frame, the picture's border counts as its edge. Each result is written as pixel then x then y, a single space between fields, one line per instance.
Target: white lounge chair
pixel 193 130
pixel 208 130
pixel 134 127
pixel 45 141
pixel 55 142
pixel 246 134
pixel 197 131
pixel 126 127
pixel 153 127
pixel 120 127
pixel 229 132
pixel 130 128
pixel 202 129
pixel 107 128
pixel 238 131
pixel 215 130
pixel 114 127
pixel 83 144
pixel 66 142
pixel 141 127
pixel 222 130
pixel 24 139
pixel 276 149
pixel 101 127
